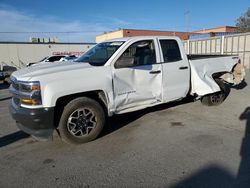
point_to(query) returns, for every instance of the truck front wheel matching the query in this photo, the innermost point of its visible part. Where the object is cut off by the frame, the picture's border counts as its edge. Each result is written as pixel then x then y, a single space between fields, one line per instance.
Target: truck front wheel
pixel 82 121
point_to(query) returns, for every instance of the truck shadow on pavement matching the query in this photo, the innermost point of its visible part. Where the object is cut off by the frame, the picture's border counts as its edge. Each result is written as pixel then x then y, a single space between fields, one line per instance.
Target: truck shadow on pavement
pixel 218 176
pixel 214 175
pixel 116 122
pixel 13 137
pixel 5 98
pixel 242 85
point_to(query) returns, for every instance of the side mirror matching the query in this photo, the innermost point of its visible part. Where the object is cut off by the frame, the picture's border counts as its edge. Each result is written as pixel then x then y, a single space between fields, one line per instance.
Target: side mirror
pixel 124 62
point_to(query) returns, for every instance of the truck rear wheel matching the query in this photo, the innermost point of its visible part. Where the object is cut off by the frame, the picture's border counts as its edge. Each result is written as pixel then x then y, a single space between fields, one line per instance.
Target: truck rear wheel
pixel 213 99
pixel 217 98
pixel 82 121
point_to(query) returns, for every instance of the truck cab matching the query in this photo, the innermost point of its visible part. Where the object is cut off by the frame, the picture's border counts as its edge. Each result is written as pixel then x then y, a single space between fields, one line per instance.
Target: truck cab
pixel 144 68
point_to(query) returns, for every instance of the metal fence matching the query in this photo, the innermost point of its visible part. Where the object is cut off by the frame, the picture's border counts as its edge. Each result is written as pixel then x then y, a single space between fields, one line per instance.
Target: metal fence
pixel 236 44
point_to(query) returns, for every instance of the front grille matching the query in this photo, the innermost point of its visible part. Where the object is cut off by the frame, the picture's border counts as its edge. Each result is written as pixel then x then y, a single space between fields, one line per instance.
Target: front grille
pixel 15 85
pixel 13 89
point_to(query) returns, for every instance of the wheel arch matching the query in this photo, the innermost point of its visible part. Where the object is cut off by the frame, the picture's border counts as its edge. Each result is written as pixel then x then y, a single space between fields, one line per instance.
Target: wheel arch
pixel 99 95
pixel 217 75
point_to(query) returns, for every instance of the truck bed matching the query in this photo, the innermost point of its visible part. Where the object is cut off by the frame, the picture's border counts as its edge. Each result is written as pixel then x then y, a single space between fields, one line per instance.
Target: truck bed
pixel 195 57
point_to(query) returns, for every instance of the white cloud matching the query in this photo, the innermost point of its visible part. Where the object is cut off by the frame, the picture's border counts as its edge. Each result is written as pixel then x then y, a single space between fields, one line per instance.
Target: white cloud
pixel 112 20
pixel 13 20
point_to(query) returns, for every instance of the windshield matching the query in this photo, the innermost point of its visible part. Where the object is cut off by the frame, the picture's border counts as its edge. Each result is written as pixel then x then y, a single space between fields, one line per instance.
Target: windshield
pixel 100 54
pixel 70 58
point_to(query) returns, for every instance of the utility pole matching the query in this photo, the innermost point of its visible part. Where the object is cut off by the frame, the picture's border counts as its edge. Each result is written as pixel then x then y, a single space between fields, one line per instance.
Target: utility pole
pixel 186 13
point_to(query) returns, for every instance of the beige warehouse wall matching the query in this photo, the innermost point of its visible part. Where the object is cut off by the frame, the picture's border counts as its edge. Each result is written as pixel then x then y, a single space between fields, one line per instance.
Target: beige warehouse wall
pixel 19 54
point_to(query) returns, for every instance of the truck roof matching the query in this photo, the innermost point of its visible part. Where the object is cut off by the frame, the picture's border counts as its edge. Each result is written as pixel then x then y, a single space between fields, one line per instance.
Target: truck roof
pixel 142 37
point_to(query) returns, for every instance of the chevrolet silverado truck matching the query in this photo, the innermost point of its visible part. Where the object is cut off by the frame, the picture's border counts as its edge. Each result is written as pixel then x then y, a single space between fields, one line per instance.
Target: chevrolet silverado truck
pixel 115 77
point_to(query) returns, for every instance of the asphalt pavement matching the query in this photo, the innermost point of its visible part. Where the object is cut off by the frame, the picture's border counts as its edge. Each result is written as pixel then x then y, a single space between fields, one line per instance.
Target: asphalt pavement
pixel 180 144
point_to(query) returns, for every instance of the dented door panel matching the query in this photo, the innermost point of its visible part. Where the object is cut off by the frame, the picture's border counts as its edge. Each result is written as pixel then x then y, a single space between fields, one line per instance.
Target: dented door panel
pixel 137 86
pixel 139 82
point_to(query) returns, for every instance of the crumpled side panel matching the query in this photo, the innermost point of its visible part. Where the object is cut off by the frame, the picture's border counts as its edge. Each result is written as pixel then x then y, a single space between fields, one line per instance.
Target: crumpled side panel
pixel 236 76
pixel 202 82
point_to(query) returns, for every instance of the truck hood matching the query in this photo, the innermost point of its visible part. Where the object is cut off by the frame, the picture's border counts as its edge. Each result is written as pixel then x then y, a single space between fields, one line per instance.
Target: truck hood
pixel 26 74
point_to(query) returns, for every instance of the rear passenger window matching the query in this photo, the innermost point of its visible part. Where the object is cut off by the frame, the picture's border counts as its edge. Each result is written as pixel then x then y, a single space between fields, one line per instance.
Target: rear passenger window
pixel 170 50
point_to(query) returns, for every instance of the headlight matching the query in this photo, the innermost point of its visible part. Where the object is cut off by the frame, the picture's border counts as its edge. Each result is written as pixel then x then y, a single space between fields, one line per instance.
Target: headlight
pixel 34 91
pixel 27 93
pixel 29 86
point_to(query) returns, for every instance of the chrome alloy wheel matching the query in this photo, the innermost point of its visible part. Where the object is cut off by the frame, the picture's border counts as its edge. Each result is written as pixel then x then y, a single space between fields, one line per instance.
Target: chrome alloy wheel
pixel 81 122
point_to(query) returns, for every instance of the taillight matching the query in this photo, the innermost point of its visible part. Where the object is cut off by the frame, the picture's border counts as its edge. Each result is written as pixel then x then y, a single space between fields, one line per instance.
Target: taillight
pixel 236 57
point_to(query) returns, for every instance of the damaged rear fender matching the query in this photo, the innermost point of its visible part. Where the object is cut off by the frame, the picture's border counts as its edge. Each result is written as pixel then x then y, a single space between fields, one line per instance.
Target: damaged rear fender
pixel 236 76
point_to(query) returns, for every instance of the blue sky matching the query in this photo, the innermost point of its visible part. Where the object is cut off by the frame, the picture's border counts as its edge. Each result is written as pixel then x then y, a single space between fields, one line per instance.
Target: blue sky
pixel 90 18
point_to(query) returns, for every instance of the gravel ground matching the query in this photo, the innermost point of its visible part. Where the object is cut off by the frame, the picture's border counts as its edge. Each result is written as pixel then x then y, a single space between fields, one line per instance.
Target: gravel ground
pixel 181 144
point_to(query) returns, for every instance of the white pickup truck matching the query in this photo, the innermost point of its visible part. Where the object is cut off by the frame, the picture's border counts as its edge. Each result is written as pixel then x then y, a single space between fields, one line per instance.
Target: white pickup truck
pixel 114 77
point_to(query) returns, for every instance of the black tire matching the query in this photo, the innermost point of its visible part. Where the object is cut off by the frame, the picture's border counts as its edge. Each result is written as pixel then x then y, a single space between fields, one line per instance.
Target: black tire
pixel 82 121
pixel 217 98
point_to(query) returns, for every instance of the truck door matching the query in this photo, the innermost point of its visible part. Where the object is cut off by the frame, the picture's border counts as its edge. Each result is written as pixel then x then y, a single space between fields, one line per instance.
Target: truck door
pixel 176 71
pixel 137 77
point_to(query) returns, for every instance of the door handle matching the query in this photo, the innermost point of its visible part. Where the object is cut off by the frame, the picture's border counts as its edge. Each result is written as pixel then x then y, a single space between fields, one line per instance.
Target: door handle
pixel 182 68
pixel 155 72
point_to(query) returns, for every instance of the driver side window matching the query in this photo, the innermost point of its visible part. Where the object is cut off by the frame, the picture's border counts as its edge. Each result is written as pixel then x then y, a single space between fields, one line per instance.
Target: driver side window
pixel 138 54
